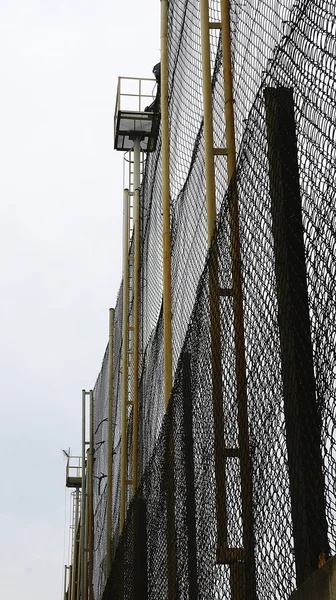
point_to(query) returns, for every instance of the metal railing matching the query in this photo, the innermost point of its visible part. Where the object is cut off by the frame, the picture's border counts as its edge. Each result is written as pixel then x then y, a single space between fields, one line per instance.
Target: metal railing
pixel 73 469
pixel 133 93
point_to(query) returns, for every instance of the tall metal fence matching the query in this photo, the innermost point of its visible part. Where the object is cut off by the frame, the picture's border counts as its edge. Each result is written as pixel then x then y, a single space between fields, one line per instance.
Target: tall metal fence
pixel 227 507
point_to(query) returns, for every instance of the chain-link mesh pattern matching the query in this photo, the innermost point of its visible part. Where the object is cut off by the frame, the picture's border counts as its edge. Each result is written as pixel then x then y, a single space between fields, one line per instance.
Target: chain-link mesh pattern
pixel 100 453
pixel 100 428
pixel 224 524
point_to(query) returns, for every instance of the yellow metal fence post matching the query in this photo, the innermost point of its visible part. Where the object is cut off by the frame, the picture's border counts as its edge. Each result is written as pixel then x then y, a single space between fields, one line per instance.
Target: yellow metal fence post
pixel 167 302
pixel 124 363
pixel 238 310
pixel 136 334
pixel 78 570
pixel 208 127
pixel 87 526
pixel 90 508
pixel 83 502
pixel 110 445
pixel 215 323
pixel 74 580
pixel 167 305
pixel 70 583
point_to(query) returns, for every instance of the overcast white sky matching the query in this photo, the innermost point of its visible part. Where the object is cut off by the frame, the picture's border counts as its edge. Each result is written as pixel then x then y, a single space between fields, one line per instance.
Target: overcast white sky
pixel 60 248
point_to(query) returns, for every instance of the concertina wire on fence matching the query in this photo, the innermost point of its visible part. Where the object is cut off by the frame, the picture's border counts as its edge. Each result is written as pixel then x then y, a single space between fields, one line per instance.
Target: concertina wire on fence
pixel 170 547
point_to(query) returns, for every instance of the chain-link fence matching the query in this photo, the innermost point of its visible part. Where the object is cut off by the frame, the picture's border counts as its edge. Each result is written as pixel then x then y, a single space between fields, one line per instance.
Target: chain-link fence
pixel 236 498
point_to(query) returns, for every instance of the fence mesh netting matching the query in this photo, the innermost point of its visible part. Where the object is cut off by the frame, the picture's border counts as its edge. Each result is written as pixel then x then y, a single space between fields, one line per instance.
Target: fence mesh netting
pixel 236 495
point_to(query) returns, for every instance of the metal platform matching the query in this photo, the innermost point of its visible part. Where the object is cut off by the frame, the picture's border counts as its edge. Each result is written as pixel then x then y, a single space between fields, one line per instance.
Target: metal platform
pixel 74 472
pixel 131 119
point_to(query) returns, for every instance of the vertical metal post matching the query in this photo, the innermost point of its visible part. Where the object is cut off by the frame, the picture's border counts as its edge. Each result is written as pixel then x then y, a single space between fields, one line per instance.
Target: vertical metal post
pixel 302 416
pixel 87 524
pixel 238 311
pixel 208 126
pixel 110 445
pixel 82 561
pixel 167 302
pixel 75 556
pixel 228 91
pixel 167 305
pixel 65 582
pixel 136 273
pixel 90 501
pixel 136 159
pixel 136 265
pixel 124 363
pixel 215 325
pixel 188 452
pixel 70 583
pixel 171 537
pixel 79 563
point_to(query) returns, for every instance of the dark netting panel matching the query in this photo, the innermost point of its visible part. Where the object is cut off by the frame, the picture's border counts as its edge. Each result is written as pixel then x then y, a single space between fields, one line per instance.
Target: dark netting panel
pixel 151 327
pixel 188 200
pixel 130 388
pixel 100 428
pixel 230 493
pixel 116 423
pixel 151 407
pixel 188 207
pixel 151 246
pixel 100 455
pixel 256 28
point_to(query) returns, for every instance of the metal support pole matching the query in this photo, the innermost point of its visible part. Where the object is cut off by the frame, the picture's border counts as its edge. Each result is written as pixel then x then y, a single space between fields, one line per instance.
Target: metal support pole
pixel 136 221
pixel 246 578
pixel 301 409
pixel 90 502
pixel 124 364
pixel 136 158
pixel 167 302
pixel 70 584
pixel 75 557
pixel 136 274
pixel 87 524
pixel 110 445
pixel 83 500
pixel 215 324
pixel 79 563
pixel 228 89
pixel 65 582
pixel 208 127
pixel 171 535
pixel 189 465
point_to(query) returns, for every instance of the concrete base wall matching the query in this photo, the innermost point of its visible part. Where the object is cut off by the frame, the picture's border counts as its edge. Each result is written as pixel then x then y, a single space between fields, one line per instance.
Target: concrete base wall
pixel 321 585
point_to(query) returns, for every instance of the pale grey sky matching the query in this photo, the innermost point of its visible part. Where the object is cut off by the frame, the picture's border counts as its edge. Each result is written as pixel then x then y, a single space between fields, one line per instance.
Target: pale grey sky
pixel 60 247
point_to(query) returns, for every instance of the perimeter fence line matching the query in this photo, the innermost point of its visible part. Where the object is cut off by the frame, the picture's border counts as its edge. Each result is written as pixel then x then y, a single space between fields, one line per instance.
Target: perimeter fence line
pixel 175 543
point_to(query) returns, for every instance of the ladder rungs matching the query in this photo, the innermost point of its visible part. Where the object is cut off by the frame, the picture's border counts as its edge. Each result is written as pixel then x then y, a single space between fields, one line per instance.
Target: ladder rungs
pixel 220 151
pixel 215 25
